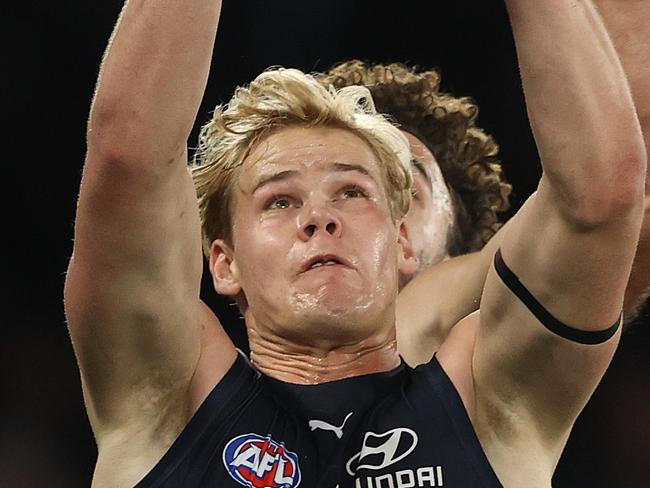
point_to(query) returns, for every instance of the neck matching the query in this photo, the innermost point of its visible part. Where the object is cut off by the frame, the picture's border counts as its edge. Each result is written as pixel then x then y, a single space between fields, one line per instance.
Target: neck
pixel 307 364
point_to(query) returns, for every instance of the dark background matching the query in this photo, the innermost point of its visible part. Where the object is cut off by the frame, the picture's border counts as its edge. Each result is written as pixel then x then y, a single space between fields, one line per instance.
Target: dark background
pixel 51 54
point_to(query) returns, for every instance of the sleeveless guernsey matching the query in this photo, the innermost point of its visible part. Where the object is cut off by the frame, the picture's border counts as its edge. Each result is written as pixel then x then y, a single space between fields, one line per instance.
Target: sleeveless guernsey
pixel 406 428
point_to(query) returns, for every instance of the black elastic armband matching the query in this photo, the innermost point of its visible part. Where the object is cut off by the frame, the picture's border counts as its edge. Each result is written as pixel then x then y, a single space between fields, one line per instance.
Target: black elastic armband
pixel 543 315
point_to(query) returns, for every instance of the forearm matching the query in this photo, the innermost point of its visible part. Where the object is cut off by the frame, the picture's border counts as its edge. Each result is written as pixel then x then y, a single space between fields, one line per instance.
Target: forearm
pixel 628 23
pixel 580 108
pixel 152 79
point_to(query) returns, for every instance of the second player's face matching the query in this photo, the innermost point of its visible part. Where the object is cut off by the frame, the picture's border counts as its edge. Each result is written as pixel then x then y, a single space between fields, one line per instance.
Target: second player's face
pixel 430 217
pixel 314 240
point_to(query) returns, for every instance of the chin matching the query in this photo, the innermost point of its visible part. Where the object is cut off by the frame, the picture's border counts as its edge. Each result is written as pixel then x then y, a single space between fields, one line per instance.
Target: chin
pixel 329 304
pixel 334 328
pixel 334 305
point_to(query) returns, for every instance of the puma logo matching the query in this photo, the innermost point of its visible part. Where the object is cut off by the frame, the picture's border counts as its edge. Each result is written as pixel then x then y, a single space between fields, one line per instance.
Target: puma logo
pixel 320 424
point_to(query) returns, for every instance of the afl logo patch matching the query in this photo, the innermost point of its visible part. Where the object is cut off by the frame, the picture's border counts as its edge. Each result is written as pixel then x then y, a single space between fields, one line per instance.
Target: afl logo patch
pixel 259 462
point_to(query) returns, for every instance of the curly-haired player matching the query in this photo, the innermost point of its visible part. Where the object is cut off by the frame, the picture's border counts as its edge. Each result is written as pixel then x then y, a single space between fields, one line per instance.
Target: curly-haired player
pixel 444 125
pixel 459 191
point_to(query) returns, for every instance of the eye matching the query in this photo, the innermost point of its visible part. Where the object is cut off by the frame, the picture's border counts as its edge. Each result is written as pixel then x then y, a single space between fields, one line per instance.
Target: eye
pixel 415 194
pixel 279 202
pixel 353 192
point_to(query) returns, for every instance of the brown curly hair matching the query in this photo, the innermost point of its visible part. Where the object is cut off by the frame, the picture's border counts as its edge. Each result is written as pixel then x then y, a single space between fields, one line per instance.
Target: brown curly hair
pixel 446 125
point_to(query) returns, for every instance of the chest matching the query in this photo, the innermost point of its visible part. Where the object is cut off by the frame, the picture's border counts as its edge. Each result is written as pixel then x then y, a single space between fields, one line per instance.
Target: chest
pixel 402 441
pixel 403 430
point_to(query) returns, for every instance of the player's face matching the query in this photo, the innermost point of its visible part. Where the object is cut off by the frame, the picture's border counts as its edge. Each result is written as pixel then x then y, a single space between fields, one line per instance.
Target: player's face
pixel 430 217
pixel 314 240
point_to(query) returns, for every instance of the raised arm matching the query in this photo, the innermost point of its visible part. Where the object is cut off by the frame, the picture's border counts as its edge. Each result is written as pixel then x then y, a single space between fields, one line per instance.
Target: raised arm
pixel 435 301
pixel 571 245
pixel 132 288
pixel 628 22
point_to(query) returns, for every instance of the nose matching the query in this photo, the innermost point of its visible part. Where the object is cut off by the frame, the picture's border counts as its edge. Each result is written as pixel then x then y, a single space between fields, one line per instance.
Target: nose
pixel 315 220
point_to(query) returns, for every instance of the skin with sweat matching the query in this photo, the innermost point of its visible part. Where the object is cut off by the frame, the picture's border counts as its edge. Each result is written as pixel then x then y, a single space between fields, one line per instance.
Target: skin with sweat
pixel 318 254
pixel 430 216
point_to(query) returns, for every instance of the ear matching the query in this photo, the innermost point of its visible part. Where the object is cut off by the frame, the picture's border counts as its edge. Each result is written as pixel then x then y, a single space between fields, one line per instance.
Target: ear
pixel 225 273
pixel 408 263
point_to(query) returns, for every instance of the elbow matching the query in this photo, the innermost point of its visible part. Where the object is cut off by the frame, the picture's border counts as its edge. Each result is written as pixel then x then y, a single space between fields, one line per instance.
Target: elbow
pixel 623 189
pixel 127 139
pixel 110 136
pixel 585 217
pixel 615 198
pixel 607 211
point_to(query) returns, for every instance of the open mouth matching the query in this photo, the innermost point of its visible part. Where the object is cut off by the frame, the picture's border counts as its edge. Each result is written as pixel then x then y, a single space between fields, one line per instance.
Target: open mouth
pixel 323 261
pixel 328 262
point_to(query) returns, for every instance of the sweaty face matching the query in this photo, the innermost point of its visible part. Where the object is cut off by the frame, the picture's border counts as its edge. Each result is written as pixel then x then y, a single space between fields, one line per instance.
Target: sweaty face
pixel 315 248
pixel 430 216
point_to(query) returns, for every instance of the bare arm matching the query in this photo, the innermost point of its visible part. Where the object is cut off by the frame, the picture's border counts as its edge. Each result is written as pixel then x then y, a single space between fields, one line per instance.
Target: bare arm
pixel 571 246
pixel 132 289
pixel 628 22
pixel 428 308
pixel 431 304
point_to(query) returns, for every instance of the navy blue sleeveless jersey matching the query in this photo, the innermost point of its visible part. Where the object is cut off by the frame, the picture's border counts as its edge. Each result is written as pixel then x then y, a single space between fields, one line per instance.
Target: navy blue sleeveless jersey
pixel 406 428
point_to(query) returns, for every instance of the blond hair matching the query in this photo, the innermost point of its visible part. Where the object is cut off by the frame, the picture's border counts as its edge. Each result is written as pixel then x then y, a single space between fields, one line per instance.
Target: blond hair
pixel 280 98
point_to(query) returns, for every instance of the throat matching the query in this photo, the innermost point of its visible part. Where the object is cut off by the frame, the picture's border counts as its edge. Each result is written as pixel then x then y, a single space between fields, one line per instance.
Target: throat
pixel 307 365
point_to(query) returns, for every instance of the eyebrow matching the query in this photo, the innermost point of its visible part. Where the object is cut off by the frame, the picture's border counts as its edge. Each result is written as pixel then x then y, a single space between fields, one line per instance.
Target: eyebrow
pixel 270 178
pixel 420 167
pixel 290 173
pixel 350 167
